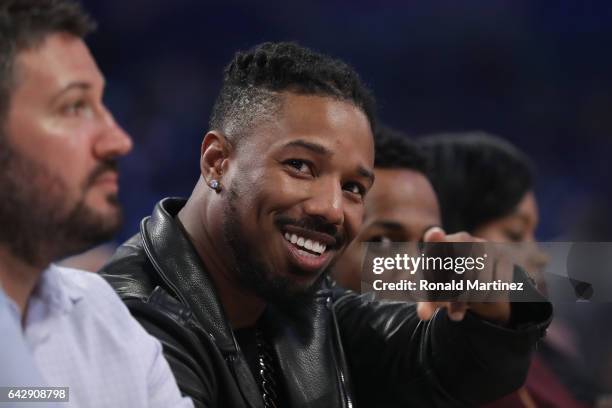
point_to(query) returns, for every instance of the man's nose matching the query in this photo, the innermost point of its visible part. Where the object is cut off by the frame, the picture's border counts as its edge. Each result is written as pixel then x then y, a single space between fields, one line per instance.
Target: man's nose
pixel 326 201
pixel 113 141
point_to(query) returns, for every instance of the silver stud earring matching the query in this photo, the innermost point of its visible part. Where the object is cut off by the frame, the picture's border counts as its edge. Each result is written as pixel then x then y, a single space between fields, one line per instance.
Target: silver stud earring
pixel 215 185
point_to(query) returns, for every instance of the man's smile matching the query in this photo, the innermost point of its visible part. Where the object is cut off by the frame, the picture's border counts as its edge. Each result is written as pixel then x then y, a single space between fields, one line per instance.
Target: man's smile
pixel 314 247
pixel 309 250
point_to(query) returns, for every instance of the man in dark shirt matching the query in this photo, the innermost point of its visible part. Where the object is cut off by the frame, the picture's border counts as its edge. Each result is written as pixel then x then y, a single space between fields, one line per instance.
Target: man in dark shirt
pixel 401 206
pixel 233 280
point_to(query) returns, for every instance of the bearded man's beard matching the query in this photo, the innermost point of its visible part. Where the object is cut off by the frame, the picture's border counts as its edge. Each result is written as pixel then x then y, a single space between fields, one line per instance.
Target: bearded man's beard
pixel 251 273
pixel 37 223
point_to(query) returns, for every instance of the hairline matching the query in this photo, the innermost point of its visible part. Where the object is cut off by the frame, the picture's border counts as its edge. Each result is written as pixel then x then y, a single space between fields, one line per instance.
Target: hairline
pixel 278 99
pixel 78 25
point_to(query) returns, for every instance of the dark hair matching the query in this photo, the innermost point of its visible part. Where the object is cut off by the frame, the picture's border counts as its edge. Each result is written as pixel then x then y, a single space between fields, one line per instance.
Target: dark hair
pixel 394 149
pixel 24 24
pixel 478 177
pixel 253 80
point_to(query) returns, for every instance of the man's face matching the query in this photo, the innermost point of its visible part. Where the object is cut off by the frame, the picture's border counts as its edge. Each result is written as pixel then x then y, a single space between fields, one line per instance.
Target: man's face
pixel 400 208
pixel 296 193
pixel 58 171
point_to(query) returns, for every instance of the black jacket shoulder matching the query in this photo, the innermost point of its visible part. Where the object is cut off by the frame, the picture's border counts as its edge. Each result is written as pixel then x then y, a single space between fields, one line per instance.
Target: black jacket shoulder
pixel 342 350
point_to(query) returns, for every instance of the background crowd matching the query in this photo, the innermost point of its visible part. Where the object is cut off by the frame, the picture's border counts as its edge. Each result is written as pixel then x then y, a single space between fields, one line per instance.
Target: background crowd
pixel 539 75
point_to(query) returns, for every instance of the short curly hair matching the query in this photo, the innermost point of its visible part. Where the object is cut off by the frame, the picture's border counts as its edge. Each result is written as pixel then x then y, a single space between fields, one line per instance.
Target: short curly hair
pixel 394 149
pixel 254 79
pixel 24 24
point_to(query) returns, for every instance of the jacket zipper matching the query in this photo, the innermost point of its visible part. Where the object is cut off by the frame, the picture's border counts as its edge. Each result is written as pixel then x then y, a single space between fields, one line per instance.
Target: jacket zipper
pixel 348 402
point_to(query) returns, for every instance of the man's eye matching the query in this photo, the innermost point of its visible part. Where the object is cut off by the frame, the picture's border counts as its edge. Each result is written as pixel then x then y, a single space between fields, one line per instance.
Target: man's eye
pixel 301 166
pixel 381 239
pixel 78 108
pixel 514 236
pixel 381 243
pixel 355 188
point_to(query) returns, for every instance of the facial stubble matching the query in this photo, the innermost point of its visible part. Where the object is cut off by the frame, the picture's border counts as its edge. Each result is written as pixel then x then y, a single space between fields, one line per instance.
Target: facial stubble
pixel 251 273
pixel 38 224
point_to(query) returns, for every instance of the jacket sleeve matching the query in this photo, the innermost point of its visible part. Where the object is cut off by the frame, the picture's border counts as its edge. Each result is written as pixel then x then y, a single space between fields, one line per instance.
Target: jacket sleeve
pixel 185 352
pixel 397 360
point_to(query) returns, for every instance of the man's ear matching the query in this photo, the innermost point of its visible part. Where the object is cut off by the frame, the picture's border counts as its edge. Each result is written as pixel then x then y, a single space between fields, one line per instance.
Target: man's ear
pixel 214 153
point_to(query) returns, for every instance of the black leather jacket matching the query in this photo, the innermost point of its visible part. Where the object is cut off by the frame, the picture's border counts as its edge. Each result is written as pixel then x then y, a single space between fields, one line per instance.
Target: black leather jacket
pixel 340 350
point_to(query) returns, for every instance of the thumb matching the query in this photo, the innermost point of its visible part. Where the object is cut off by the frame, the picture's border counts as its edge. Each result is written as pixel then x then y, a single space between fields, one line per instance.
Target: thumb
pixel 434 234
pixel 426 310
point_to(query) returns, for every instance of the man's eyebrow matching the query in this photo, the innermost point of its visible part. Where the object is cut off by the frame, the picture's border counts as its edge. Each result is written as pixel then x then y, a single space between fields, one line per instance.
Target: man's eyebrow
pixel 73 85
pixel 314 147
pixel 322 150
pixel 391 225
pixel 366 173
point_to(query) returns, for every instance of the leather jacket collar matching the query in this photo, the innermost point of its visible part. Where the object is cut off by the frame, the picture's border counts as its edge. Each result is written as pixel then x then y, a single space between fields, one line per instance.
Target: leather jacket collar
pixel 306 341
pixel 163 240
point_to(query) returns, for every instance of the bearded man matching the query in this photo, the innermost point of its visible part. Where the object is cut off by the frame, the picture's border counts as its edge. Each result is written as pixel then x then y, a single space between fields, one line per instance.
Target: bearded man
pixel 59 147
pixel 233 280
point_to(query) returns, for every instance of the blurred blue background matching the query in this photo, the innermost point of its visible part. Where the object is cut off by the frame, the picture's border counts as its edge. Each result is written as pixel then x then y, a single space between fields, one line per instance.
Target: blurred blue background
pixel 537 73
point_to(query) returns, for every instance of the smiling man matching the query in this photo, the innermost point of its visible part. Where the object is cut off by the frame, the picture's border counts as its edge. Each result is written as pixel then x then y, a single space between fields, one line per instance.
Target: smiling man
pixel 233 280
pixel 59 147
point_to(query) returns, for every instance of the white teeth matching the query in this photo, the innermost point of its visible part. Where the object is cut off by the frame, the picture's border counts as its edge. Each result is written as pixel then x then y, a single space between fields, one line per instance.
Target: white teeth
pixel 309 244
pixel 318 247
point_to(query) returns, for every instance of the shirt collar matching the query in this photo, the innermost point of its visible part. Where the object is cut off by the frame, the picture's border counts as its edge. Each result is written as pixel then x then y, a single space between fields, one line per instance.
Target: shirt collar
pixel 54 290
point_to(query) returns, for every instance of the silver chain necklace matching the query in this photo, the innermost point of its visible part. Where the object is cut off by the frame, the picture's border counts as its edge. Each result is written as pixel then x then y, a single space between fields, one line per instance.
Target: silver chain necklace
pixel 267 371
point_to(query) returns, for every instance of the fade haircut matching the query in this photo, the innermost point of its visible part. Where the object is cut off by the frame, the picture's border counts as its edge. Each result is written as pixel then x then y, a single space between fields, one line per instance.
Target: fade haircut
pixel 254 79
pixel 395 150
pixel 24 24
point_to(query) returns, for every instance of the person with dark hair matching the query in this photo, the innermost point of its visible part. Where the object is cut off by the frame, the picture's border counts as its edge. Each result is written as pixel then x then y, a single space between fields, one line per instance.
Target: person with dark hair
pixel 485 187
pixel 59 147
pixel 400 207
pixel 254 81
pixel 233 281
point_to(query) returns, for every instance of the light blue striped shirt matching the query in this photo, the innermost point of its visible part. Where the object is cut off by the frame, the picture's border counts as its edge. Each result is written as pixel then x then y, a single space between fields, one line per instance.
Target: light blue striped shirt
pixel 17 367
pixel 82 336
